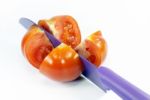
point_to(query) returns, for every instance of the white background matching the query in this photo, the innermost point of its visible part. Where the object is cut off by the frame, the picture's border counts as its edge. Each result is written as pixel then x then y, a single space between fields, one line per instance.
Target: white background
pixel 125 25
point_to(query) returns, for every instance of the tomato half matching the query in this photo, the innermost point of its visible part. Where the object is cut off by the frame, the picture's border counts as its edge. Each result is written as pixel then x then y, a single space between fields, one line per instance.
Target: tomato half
pixel 35 46
pixel 62 64
pixel 93 48
pixel 64 28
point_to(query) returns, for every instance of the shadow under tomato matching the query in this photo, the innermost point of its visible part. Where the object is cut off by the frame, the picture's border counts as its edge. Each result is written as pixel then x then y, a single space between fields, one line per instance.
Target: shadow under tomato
pixel 80 89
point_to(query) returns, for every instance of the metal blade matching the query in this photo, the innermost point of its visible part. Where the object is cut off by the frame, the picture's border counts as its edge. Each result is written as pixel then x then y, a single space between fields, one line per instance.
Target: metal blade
pixel 26 23
pixel 91 73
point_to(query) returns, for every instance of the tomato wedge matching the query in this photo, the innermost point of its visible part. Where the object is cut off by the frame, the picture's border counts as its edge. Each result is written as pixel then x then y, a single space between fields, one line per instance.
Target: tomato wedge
pixel 35 46
pixel 93 48
pixel 64 28
pixel 62 64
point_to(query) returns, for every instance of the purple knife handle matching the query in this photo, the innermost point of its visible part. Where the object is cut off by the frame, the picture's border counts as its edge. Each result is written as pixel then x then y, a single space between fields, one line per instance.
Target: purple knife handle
pixel 120 86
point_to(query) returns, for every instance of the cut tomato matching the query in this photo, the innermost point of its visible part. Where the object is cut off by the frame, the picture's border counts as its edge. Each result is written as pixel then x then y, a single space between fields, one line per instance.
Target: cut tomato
pixel 64 28
pixel 62 64
pixel 35 46
pixel 93 48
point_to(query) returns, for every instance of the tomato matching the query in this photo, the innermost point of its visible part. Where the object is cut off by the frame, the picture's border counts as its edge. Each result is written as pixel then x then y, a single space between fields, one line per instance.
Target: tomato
pixel 35 46
pixel 62 64
pixel 64 28
pixel 93 48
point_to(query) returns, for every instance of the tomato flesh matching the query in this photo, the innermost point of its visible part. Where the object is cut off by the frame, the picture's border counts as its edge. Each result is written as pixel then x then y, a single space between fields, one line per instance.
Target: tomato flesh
pixel 93 48
pixel 35 46
pixel 64 28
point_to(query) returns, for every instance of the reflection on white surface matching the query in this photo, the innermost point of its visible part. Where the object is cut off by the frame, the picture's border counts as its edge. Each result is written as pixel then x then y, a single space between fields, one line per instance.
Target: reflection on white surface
pixel 80 89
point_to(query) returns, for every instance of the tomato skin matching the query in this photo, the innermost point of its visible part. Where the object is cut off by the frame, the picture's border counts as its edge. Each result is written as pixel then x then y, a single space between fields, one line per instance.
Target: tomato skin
pixel 62 64
pixel 64 28
pixel 94 48
pixel 35 46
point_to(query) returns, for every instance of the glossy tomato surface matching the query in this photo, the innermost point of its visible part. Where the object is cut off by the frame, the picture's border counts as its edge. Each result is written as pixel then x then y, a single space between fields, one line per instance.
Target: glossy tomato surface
pixel 35 46
pixel 62 64
pixel 93 48
pixel 64 28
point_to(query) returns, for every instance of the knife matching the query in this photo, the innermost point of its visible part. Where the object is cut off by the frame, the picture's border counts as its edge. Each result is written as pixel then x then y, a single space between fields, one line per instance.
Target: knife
pixel 103 77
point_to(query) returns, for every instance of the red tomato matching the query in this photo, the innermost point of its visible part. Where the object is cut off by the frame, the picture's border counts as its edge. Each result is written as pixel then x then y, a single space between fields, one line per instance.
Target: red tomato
pixel 64 28
pixel 62 64
pixel 35 46
pixel 93 48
